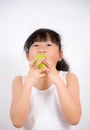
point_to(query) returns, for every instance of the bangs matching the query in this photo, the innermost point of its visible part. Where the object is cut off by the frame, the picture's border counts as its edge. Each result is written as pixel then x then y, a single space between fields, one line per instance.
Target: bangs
pixel 43 35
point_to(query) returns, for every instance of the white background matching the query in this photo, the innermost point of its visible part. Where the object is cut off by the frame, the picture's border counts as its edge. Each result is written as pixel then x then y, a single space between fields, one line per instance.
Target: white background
pixel 18 19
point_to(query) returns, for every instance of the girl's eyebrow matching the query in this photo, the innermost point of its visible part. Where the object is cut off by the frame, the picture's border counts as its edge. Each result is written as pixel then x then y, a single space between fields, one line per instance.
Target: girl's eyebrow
pixel 35 43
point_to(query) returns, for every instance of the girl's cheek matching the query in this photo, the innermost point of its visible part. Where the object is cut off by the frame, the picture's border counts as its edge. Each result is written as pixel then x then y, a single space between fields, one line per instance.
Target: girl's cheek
pixel 32 56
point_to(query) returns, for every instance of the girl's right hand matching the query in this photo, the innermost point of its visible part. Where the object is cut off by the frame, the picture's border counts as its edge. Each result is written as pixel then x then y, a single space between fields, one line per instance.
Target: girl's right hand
pixel 35 74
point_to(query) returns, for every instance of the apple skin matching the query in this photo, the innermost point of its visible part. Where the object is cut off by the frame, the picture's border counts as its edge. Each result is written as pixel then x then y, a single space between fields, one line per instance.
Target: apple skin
pixel 38 57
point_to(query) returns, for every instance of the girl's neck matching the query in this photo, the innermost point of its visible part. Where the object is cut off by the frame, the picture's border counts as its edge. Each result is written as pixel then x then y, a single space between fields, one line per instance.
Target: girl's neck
pixel 43 83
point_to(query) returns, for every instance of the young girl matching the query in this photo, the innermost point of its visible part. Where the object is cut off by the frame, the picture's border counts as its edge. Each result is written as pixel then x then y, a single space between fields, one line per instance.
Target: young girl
pixel 47 98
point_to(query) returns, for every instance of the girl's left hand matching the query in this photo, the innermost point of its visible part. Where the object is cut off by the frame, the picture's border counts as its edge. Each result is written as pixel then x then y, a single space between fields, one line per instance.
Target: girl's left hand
pixel 52 72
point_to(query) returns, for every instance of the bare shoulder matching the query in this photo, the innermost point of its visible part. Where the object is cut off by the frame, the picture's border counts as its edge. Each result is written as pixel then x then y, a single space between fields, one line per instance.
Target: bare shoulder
pixel 72 82
pixel 16 85
pixel 17 79
pixel 73 87
pixel 71 77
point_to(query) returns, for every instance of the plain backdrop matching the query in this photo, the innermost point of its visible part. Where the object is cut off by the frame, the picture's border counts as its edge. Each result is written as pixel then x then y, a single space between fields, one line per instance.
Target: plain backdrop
pixel 18 19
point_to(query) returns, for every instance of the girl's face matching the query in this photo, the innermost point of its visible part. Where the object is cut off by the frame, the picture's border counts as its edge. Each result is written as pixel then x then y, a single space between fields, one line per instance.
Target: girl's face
pixel 50 49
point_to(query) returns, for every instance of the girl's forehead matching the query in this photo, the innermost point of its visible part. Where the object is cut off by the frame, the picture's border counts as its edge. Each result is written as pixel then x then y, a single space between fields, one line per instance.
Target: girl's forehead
pixel 43 42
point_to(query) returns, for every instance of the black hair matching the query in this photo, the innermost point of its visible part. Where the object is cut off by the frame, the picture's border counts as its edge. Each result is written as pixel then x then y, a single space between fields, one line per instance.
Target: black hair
pixel 44 34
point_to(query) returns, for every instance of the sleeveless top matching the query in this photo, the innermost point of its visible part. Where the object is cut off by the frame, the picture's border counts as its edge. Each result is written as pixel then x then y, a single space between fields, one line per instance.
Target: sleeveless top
pixel 45 110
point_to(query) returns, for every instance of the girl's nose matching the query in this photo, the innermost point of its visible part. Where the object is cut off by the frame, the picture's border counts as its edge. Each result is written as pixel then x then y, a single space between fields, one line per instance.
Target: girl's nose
pixel 42 50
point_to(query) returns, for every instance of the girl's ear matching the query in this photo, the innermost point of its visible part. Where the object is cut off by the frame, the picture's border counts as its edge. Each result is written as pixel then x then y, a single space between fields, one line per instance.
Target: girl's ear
pixel 61 55
pixel 27 56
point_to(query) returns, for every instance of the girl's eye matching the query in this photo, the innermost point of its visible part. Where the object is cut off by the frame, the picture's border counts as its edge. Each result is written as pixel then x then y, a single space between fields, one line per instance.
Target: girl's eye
pixel 35 45
pixel 49 44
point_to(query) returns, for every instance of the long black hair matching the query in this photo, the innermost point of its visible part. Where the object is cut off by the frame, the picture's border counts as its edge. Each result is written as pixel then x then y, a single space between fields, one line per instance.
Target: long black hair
pixel 44 34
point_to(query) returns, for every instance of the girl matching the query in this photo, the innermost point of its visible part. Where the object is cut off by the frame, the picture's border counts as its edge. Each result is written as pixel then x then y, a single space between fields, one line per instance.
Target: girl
pixel 46 98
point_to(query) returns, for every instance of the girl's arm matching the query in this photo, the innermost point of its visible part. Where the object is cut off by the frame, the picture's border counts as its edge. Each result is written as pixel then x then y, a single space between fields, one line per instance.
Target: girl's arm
pixel 69 97
pixel 21 93
pixel 68 94
pixel 20 106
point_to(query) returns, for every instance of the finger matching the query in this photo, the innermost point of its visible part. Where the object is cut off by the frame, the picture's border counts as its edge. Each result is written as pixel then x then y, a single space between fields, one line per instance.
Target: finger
pixel 48 63
pixel 46 68
pixel 42 70
pixel 43 75
pixel 40 61
pixel 32 62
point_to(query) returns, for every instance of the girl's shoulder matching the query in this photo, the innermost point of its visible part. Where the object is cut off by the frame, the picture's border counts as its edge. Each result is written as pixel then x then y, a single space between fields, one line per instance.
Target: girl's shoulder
pixel 71 78
pixel 17 82
pixel 71 75
pixel 68 74
pixel 17 79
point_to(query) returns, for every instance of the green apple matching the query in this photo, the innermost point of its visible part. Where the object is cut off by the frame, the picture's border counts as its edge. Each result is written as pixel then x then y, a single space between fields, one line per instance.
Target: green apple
pixel 38 57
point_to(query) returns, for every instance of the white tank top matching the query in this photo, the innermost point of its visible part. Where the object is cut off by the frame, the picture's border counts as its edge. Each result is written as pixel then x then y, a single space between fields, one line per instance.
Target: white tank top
pixel 45 110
